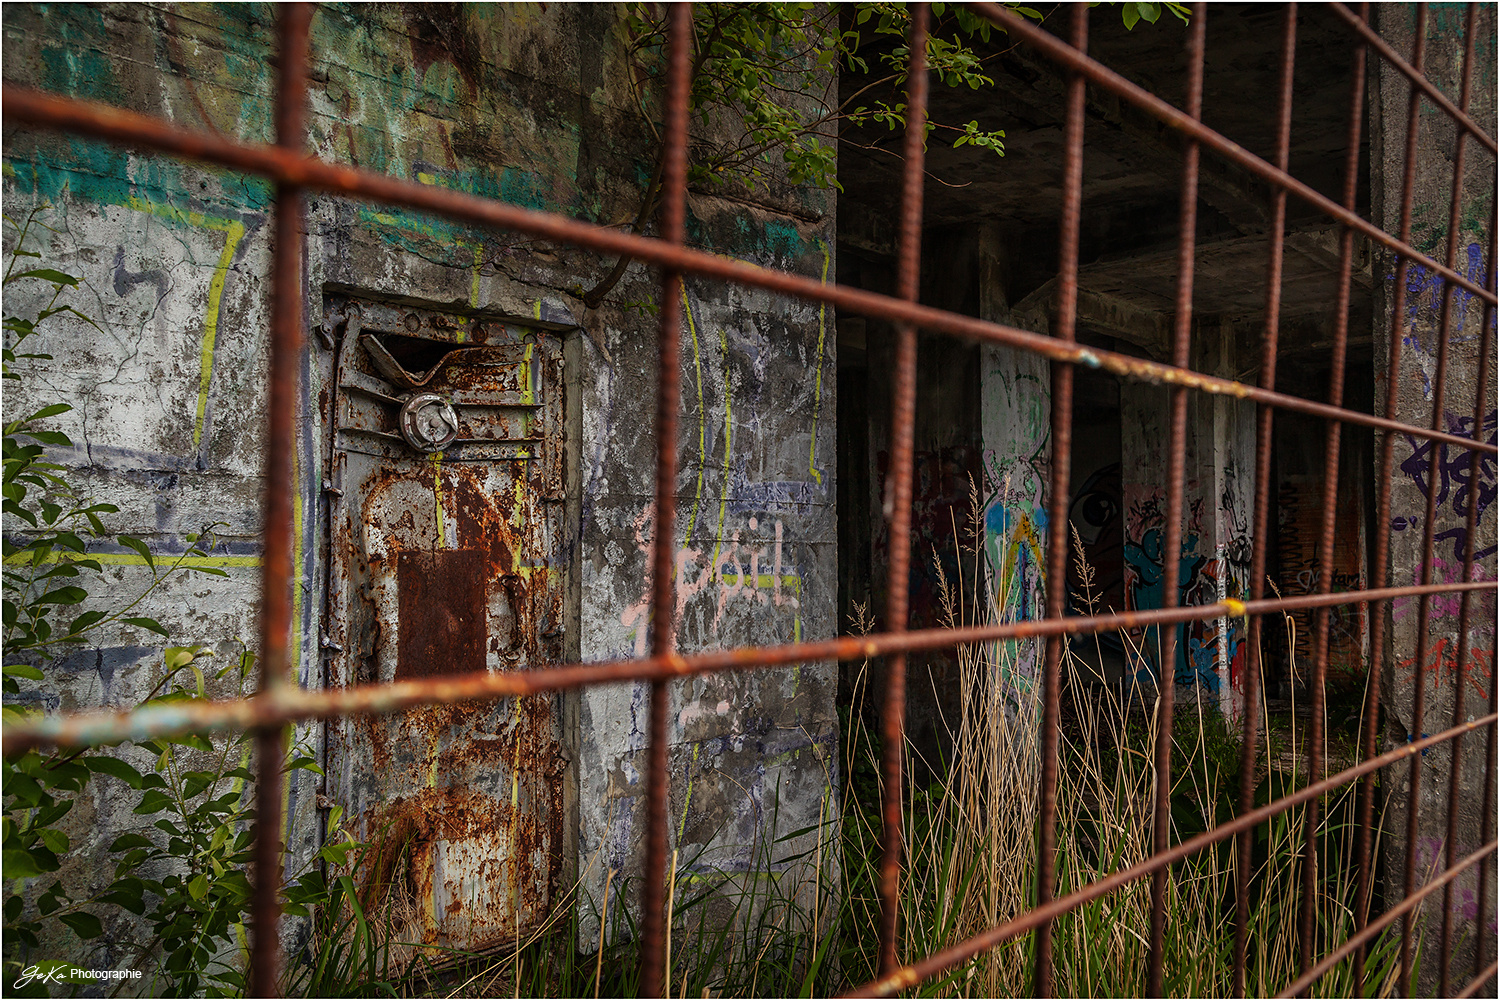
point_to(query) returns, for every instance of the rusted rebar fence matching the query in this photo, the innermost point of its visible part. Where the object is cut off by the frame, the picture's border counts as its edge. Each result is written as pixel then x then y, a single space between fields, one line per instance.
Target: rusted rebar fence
pixel 278 702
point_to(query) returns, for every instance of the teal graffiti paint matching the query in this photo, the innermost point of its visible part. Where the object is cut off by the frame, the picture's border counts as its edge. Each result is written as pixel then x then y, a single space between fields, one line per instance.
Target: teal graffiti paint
pixel 522 187
pixel 97 172
pixel 781 239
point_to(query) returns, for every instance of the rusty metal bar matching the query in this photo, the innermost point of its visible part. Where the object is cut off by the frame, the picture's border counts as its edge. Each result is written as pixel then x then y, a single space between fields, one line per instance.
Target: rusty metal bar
pixel 1470 519
pixel 1101 75
pixel 1327 536
pixel 1364 837
pixel 1477 982
pixel 1057 505
pixel 1443 882
pixel 898 490
pixel 1486 816
pixel 276 669
pixel 1424 607
pixel 668 398
pixel 1413 72
pixel 1486 813
pixel 1166 674
pixel 88 729
pixel 1264 423
pixel 102 121
pixel 909 976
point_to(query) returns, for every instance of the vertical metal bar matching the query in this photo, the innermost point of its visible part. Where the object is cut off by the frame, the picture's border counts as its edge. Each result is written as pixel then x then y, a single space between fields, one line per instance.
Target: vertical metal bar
pixel 1470 519
pixel 1176 475
pixel 1328 534
pixel 1381 559
pixel 668 393
pixel 1057 513
pixel 1264 422
pixel 1424 603
pixel 1486 813
pixel 898 490
pixel 276 573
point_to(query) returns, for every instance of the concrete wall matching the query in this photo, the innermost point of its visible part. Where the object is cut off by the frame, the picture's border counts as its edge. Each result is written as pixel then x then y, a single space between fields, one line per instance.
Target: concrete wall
pixel 1443 677
pixel 528 104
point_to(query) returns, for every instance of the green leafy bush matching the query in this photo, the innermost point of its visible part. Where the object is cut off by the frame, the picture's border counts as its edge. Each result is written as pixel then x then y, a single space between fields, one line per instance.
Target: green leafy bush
pixel 182 873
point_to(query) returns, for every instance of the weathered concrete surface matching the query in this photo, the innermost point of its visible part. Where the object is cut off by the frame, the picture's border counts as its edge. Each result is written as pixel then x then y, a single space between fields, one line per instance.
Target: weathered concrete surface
pixel 523 103
pixel 1445 680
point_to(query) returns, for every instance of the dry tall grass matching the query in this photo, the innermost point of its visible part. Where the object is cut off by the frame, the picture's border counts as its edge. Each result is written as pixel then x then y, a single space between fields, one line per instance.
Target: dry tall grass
pixel 971 849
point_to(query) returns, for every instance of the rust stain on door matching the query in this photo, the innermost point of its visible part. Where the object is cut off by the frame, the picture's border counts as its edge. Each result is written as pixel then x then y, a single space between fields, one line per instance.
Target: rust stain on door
pixel 441 609
pixel 442 563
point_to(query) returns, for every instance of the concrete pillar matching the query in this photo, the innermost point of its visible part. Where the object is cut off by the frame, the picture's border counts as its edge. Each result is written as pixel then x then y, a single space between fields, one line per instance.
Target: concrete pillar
pixel 1214 560
pixel 1016 428
pixel 1444 678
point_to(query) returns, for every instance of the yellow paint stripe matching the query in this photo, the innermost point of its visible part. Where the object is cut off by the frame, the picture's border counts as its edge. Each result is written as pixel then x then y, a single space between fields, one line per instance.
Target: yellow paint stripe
pixel 765 580
pixel 528 378
pixel 211 330
pixel 728 432
pixel 233 231
pixel 551 574
pixel 437 497
pixel 295 663
pixel 135 559
pixel 687 539
pixel 812 449
pixel 518 509
pixel 463 334
pixel 682 824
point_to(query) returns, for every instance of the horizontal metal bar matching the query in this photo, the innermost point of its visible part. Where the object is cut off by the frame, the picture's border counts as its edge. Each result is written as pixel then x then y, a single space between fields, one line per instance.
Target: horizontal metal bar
pixel 1478 982
pixel 1064 54
pixel 910 976
pixel 116 125
pixel 290 704
pixel 1372 38
pixel 1388 918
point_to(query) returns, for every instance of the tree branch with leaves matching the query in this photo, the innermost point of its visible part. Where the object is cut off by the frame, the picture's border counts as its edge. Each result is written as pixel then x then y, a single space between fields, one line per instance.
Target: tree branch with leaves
pixel 764 88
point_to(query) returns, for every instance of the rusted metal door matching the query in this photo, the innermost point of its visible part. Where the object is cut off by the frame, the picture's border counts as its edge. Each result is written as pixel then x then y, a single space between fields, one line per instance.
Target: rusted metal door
pixel 445 513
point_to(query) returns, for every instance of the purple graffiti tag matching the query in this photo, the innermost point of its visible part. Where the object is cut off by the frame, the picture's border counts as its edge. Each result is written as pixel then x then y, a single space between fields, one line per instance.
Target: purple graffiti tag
pixel 1453 481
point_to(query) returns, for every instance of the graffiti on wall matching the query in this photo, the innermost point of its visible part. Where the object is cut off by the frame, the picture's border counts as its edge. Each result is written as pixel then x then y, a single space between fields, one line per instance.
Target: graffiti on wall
pixel 941 526
pixel 1096 518
pixel 1145 578
pixel 1439 606
pixel 1424 291
pixel 749 570
pixel 1232 566
pixel 1441 665
pixel 1206 651
pixel 1016 470
pixel 1453 484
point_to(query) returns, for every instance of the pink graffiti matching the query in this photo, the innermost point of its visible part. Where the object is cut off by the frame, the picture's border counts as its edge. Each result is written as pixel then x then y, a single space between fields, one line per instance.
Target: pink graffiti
pixel 725 576
pixel 1443 571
